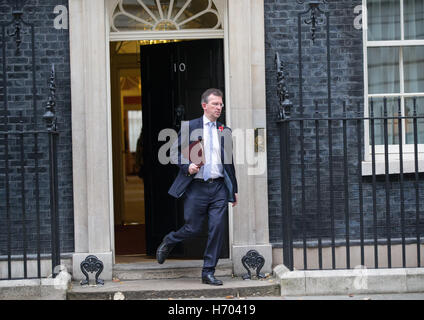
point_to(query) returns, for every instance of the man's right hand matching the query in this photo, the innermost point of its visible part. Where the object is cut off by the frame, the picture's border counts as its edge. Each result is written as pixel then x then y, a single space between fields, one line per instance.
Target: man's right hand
pixel 193 169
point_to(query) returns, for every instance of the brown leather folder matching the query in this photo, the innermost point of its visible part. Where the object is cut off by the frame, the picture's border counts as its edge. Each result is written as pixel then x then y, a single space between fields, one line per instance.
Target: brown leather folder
pixel 195 153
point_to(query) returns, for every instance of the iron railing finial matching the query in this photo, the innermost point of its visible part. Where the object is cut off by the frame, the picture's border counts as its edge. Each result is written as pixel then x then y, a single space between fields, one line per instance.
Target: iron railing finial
pixel 285 105
pixel 314 9
pixel 50 114
pixel 17 11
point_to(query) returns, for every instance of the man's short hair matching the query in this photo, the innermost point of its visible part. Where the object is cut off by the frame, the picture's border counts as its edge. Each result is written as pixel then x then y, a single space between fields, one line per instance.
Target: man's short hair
pixel 207 93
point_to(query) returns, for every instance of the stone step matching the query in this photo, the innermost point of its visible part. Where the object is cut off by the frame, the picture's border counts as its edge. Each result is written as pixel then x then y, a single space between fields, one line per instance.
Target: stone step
pixel 174 289
pixel 171 269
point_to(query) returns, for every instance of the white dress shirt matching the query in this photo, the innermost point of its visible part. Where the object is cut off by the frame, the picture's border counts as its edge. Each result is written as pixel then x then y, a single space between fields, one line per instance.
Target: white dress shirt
pixel 216 170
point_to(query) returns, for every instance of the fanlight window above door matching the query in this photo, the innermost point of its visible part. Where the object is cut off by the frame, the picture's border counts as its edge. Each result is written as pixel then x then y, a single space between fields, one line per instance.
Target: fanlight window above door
pixel 165 15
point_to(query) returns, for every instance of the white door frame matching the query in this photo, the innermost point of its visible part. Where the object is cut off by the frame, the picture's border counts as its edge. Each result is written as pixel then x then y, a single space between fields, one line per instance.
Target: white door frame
pixel 244 47
pixel 186 34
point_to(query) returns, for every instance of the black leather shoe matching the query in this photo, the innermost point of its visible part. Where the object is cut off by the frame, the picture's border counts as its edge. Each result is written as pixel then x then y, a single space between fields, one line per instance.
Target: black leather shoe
pixel 163 251
pixel 210 279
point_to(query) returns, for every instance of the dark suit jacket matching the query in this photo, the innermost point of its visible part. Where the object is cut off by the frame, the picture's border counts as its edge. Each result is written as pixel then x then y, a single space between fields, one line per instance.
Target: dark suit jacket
pixel 183 178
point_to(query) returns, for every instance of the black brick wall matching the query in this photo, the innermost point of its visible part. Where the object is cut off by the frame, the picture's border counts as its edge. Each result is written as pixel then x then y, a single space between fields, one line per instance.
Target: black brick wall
pixel 281 35
pixel 51 47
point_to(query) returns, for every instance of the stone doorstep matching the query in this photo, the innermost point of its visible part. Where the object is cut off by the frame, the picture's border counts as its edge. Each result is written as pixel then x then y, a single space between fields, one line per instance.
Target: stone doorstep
pixel 173 289
pixel 355 281
pixel 169 270
pixel 166 273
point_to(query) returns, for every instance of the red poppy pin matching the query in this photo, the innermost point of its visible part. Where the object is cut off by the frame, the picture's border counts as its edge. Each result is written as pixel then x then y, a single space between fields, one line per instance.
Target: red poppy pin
pixel 221 128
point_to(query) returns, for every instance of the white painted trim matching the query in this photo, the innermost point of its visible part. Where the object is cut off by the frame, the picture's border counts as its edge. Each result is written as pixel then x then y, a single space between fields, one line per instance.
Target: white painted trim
pixel 225 26
pixel 89 126
pixel 406 95
pixel 395 43
pixel 189 34
pixel 367 147
pixel 402 22
pixel 159 16
pixel 79 137
pixel 109 136
pixel 167 35
pixel 402 87
pixel 394 149
pixel 394 167
pixel 408 151
pixel 91 134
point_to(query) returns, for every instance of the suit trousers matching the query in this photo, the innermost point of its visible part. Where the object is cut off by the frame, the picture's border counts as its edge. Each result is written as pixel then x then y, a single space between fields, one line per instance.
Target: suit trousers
pixel 204 200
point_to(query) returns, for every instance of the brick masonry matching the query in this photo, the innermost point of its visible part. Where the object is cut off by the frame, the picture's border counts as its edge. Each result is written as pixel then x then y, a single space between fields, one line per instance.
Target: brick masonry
pixel 281 35
pixel 51 47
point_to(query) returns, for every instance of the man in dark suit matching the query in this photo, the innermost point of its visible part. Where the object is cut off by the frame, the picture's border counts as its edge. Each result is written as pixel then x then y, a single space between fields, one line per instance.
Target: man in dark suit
pixel 207 187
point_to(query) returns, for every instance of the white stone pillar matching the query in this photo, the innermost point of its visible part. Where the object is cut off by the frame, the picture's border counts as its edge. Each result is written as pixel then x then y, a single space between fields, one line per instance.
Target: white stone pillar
pixel 90 131
pixel 247 101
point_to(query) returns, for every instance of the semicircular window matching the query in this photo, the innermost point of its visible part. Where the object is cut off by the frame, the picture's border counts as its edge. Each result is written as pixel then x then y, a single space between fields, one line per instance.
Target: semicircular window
pixel 165 15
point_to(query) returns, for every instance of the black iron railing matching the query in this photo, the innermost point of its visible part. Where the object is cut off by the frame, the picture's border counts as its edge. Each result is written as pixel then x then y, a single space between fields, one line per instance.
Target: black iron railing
pixel 29 220
pixel 29 160
pixel 328 201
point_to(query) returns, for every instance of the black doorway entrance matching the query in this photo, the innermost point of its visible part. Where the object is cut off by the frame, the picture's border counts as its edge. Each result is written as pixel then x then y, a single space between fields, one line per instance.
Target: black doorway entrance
pixel 173 76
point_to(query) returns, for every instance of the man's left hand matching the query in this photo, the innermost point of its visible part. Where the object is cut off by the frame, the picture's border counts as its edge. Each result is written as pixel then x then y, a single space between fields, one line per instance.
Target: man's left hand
pixel 235 202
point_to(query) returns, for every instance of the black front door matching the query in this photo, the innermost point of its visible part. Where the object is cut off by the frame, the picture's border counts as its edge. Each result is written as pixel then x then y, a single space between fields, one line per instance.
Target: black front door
pixel 173 76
